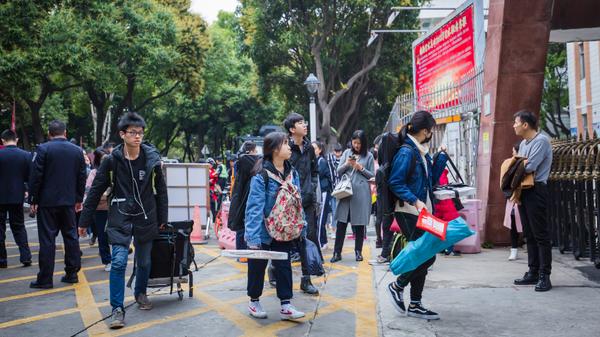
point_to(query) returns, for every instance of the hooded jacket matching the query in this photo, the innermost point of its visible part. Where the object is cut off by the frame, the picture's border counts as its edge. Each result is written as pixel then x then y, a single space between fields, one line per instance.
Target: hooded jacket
pixel 153 192
pixel 305 162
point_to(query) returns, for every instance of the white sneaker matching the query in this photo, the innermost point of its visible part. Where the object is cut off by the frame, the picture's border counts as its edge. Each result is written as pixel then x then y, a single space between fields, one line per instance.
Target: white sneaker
pixel 513 254
pixel 255 310
pixel 288 312
pixel 107 267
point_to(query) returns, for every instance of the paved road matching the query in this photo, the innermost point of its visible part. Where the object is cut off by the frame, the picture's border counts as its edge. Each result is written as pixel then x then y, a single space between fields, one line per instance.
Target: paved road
pixel 473 294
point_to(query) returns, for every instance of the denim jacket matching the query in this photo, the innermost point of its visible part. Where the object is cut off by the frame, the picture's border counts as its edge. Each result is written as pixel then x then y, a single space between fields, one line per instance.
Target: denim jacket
pixel 418 185
pixel 259 207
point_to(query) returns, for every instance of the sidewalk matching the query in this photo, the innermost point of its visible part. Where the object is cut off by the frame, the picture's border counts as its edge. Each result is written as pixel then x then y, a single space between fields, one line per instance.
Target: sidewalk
pixel 475 296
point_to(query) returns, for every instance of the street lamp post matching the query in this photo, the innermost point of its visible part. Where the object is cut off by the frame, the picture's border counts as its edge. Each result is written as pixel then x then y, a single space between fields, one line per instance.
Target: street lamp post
pixel 312 84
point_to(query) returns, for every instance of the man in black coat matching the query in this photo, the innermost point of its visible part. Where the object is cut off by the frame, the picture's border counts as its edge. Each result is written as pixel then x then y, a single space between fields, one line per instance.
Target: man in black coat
pixel 243 169
pixel 56 187
pixel 304 161
pixel 138 207
pixel 14 174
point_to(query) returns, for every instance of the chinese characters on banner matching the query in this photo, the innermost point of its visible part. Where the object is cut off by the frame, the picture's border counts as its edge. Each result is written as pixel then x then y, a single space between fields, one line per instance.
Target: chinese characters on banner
pixel 444 58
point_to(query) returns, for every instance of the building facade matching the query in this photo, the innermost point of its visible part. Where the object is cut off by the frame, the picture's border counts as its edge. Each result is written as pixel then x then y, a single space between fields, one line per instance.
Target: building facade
pixel 583 63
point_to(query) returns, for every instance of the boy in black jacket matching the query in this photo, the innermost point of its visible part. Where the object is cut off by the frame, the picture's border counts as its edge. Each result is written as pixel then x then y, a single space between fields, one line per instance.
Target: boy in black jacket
pixel 305 162
pixel 138 206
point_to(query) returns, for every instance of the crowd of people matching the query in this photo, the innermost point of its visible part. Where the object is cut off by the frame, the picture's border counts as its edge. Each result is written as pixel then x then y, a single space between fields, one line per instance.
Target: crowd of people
pixel 286 199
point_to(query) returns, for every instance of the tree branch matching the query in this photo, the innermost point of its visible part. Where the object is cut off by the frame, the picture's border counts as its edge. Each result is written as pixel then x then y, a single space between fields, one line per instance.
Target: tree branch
pixel 150 99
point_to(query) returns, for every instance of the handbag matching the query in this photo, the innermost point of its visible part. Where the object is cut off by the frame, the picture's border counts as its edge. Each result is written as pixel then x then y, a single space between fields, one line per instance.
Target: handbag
pixel 343 188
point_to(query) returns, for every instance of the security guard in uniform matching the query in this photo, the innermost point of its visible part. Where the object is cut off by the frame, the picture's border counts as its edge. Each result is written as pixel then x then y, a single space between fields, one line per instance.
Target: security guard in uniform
pixel 57 184
pixel 14 173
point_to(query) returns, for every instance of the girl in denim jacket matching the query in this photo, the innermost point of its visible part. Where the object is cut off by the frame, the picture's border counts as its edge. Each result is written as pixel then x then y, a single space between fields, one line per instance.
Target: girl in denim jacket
pixel 261 199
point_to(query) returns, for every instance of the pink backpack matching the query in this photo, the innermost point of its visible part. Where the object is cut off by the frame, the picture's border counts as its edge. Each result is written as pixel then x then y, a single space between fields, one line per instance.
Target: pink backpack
pixel 285 222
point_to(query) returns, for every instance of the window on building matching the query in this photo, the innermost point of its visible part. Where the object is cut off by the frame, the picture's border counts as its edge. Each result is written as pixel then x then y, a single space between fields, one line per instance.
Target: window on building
pixel 581 60
pixel 584 131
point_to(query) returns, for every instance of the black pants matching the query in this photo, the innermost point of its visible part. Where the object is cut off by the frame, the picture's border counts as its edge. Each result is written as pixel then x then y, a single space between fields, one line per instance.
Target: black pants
pixel 100 231
pixel 312 234
pixel 240 242
pixel 322 223
pixel 340 236
pixel 19 232
pixel 533 210
pixel 283 273
pixel 51 221
pixel 388 235
pixel 375 209
pixel 416 278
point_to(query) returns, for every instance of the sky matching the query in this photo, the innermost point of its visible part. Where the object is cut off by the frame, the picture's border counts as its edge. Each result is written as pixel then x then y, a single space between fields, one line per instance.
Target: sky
pixel 209 9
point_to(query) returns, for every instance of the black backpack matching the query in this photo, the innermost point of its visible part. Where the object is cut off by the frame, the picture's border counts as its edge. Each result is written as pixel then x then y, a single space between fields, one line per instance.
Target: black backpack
pixel 389 146
pixel 240 191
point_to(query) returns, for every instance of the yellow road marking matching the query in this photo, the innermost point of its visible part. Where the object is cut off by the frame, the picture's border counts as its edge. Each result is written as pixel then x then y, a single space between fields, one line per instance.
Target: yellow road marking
pixel 87 305
pixel 37 318
pixel 35 293
pixel 56 261
pixel 22 278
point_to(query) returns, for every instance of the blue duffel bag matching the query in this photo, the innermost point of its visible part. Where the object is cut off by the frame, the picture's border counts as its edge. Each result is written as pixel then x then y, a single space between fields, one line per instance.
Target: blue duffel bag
pixel 418 251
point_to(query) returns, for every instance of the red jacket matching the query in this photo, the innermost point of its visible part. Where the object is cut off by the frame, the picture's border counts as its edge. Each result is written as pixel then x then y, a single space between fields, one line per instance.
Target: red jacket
pixel 445 209
pixel 213 178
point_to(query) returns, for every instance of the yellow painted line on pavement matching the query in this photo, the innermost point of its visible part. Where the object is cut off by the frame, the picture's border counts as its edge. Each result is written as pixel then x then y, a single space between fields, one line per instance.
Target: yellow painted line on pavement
pixel 365 305
pixel 133 328
pixel 87 305
pixel 33 277
pixel 56 261
pixel 35 294
pixel 36 318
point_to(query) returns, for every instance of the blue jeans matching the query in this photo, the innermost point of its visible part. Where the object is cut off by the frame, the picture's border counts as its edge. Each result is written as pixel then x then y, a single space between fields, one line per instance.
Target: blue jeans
pixel 100 229
pixel 118 267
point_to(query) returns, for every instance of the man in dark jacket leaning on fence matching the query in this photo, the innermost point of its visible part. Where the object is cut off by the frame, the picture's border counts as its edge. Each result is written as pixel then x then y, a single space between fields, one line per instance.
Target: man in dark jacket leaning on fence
pixel 138 206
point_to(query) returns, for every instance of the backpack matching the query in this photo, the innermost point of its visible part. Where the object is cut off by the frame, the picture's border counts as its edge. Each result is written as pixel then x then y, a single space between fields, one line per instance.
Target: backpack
pixel 240 190
pixel 390 144
pixel 285 221
pixel 399 241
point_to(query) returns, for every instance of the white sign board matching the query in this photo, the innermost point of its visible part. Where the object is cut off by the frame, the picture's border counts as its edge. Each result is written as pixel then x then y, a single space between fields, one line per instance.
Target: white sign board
pixel 187 187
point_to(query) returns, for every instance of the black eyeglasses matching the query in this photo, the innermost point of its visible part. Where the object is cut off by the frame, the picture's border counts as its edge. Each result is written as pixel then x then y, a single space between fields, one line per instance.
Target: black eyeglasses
pixel 135 133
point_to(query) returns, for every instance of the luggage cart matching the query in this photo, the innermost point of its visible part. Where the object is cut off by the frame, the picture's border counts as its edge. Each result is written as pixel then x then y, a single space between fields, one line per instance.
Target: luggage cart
pixel 172 255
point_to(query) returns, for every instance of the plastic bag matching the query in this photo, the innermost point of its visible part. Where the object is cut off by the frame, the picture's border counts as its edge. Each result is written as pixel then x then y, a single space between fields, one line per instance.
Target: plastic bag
pixel 431 224
pixel 418 251
pixel 314 261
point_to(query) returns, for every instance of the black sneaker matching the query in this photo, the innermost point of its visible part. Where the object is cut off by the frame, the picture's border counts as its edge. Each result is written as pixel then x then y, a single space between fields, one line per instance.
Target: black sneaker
pixel 417 310
pixel 295 257
pixel 397 298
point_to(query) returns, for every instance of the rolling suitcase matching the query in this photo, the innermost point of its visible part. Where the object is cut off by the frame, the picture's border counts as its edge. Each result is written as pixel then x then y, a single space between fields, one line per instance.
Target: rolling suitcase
pixel 172 255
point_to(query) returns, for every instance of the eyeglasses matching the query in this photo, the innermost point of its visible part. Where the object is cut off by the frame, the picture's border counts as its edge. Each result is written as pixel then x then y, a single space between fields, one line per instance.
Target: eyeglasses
pixel 135 133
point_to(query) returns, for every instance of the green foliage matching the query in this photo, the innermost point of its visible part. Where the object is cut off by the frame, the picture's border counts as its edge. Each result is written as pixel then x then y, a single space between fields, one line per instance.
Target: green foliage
pixel 285 38
pixel 555 98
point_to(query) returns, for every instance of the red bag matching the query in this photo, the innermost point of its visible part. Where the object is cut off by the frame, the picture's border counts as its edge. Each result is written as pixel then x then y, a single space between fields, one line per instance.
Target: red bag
pixel 431 224
pixel 394 227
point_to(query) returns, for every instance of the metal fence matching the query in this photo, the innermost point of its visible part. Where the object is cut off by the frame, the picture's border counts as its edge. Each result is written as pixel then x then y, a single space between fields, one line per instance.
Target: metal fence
pixel 574 203
pixel 456 107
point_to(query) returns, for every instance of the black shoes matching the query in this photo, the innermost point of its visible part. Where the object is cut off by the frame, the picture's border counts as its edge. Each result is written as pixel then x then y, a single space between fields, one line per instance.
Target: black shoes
pixel 543 283
pixel 295 257
pixel 3 265
pixel 417 310
pixel 70 278
pixel 359 256
pixel 529 278
pixel 27 264
pixel 397 297
pixel 307 286
pixel 336 257
pixel 37 285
